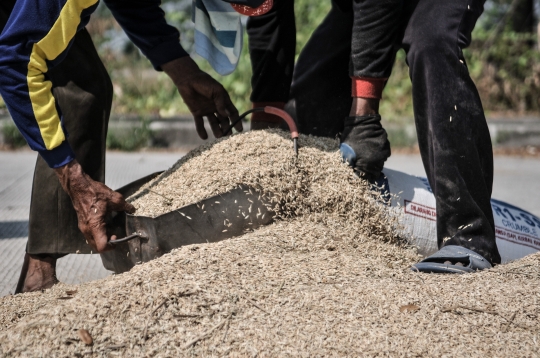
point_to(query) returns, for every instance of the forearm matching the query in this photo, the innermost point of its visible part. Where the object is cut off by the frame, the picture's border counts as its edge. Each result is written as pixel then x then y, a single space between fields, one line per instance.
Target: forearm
pixel 181 69
pixel 144 23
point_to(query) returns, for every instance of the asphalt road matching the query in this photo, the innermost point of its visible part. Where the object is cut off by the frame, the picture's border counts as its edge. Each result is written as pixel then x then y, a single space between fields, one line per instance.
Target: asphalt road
pixel 15 189
pixel 517 181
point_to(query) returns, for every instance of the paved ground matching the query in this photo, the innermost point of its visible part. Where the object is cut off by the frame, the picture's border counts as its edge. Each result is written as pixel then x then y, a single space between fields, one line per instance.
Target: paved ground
pixel 516 181
pixel 15 189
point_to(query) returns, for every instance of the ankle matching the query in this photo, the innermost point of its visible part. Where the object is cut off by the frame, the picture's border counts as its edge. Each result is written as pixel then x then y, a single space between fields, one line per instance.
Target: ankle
pixel 41 273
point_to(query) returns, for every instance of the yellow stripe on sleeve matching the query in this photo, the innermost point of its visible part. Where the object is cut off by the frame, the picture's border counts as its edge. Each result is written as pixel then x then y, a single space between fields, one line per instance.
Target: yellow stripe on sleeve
pixel 49 48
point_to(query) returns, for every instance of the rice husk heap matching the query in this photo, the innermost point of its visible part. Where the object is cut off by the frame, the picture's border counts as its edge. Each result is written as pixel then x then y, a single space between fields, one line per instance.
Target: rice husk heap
pixel 322 280
pixel 315 181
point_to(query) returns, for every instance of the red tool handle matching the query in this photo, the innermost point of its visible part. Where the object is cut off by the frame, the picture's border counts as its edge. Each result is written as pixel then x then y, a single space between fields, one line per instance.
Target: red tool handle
pixel 286 117
pixel 277 112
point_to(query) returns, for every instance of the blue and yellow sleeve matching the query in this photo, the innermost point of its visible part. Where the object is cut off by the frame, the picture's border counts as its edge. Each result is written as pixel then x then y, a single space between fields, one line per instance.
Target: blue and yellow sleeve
pixel 35 39
pixel 144 23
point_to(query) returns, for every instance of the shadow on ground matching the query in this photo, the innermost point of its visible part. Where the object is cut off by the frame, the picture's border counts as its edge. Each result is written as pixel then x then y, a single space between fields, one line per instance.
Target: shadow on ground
pixel 13 229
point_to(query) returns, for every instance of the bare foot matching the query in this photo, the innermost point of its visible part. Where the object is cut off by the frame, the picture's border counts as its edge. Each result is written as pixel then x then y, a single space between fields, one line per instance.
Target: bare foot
pixel 38 273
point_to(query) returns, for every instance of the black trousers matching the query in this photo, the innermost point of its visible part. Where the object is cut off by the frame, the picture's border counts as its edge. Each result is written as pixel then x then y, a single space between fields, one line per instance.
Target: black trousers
pixel 319 89
pixel 453 136
pixel 83 90
pixel 272 44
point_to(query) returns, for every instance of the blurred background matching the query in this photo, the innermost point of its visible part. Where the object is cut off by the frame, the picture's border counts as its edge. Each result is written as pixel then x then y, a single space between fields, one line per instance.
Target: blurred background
pixel 504 62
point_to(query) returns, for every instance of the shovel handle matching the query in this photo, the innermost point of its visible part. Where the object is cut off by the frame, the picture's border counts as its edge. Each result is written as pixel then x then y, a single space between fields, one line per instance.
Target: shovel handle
pixel 128 238
pixel 286 117
pixel 277 112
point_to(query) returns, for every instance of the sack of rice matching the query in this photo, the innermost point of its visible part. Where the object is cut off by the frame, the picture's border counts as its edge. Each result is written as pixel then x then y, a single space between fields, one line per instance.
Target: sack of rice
pixel 517 231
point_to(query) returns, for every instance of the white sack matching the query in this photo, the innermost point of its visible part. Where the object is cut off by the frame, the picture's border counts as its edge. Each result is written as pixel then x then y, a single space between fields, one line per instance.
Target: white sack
pixel 517 231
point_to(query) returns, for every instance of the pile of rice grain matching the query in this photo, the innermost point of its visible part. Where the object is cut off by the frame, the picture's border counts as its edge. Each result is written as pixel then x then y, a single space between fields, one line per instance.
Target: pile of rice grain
pixel 262 159
pixel 293 288
pixel 328 278
pixel 315 181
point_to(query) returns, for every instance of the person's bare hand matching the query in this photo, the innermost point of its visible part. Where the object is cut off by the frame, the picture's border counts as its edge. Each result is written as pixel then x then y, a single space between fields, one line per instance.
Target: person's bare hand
pixel 204 96
pixel 92 201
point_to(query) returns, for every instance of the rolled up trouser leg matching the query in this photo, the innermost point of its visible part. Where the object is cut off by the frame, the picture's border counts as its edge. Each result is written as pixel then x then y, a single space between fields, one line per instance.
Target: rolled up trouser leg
pixel 83 90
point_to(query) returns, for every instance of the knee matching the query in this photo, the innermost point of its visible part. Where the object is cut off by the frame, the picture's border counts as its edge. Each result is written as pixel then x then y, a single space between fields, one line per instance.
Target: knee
pixel 426 47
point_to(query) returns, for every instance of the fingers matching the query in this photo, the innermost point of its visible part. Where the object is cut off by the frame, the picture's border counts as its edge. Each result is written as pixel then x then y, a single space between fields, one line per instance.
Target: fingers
pixel 212 101
pixel 128 208
pixel 199 125
pixel 214 125
pixel 233 115
pixel 223 103
pixel 99 233
pixel 224 123
pixel 92 201
pixel 118 203
pixel 96 234
pixel 226 109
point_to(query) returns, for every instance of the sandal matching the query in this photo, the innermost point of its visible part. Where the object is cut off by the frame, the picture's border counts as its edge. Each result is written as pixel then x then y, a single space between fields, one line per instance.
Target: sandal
pixel 452 259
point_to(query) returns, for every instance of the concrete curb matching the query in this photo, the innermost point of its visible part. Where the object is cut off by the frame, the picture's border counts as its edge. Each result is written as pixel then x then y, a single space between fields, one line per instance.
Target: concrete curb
pixel 180 133
pixel 519 132
pixel 505 133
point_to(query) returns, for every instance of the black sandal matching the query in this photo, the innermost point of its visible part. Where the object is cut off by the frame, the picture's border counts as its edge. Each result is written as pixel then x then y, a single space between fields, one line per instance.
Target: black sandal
pixel 448 260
